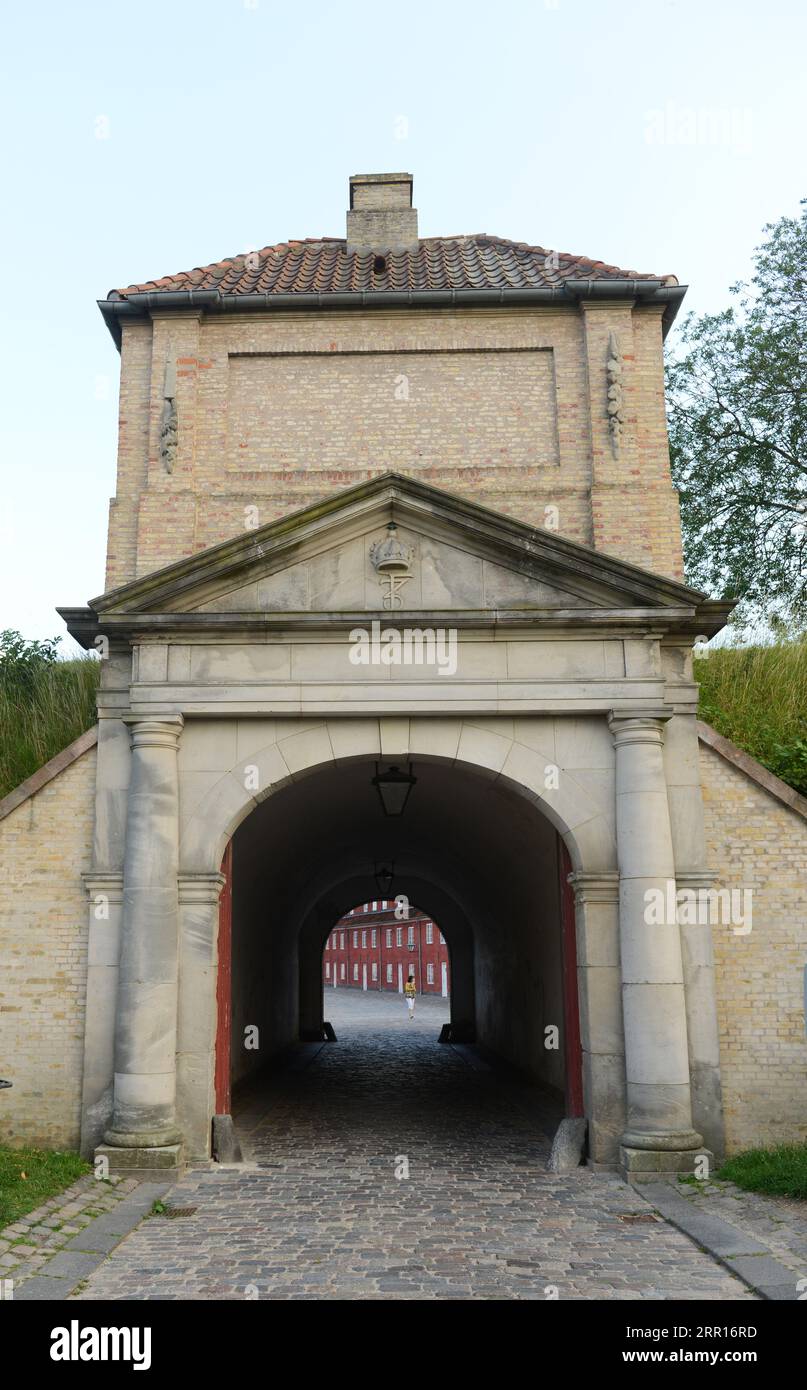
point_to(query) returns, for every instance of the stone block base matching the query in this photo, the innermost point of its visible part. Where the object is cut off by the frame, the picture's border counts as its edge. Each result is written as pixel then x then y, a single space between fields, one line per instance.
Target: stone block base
pixel 226 1147
pixel 147 1165
pixel 660 1165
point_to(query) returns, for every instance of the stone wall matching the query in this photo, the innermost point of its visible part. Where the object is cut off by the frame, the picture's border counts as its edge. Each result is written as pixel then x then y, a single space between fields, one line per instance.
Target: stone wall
pixel 756 841
pixel 45 846
pixel 505 407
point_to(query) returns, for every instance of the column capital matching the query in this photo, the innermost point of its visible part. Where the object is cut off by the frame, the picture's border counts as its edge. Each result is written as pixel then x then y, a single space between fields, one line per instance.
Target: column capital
pixel 596 888
pixel 200 888
pixel 110 883
pixel 163 731
pixel 695 878
pixel 637 726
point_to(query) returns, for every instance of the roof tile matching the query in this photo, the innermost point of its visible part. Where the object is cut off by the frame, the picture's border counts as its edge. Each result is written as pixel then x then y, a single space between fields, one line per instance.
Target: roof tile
pixel 326 266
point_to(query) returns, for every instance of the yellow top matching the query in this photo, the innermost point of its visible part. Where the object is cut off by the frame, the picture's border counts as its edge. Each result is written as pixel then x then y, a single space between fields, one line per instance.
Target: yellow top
pixel 410 988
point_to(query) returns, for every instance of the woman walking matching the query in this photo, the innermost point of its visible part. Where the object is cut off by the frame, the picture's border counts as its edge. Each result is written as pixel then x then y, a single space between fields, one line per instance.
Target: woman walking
pixel 410 990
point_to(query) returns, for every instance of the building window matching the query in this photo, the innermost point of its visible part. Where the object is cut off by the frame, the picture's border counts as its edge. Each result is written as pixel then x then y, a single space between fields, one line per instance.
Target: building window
pixel 399 936
pixel 389 974
pixel 375 906
pixel 327 970
pixel 410 935
pixel 389 936
pixel 372 937
pixel 364 939
pixel 375 969
pixel 343 970
pixel 342 940
pixel 328 944
pixel 429 933
pixel 356 970
pixel 442 939
pixel 355 938
pixel 430 974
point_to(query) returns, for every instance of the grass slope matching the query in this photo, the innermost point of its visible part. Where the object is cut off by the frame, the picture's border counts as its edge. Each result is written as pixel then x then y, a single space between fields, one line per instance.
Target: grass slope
pixel 42 716
pixel 757 697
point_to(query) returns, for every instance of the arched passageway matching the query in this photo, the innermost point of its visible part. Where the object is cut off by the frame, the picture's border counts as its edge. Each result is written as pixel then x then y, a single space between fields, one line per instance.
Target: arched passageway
pixel 480 859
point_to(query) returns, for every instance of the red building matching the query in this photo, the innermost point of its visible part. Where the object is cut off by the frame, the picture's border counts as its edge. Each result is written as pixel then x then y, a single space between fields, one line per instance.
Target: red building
pixel 371 948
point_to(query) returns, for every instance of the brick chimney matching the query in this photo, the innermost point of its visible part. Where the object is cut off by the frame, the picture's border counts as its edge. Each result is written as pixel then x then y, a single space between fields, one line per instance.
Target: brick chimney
pixel 381 216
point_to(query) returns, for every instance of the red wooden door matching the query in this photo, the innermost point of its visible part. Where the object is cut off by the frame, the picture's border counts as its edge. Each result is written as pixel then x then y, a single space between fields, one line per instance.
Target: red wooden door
pixel 224 993
pixel 573 1054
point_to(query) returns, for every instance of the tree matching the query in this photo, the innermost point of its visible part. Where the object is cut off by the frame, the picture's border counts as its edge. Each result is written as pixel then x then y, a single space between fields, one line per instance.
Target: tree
pixel 737 401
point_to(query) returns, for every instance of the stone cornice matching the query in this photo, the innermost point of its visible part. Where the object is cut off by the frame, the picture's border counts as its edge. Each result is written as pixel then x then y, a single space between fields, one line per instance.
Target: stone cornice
pixel 752 769
pixel 83 623
pixel 51 769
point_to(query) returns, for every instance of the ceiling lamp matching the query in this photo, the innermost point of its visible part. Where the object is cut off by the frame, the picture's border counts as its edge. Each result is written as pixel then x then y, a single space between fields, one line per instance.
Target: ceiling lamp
pixel 393 787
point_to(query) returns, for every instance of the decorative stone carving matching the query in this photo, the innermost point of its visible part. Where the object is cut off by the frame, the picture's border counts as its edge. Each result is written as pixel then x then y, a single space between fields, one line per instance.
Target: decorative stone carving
pixel 392 561
pixel 613 371
pixel 168 424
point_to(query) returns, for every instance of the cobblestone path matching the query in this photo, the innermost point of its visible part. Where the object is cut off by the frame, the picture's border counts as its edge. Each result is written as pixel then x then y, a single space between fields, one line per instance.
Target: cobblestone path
pixel 323 1209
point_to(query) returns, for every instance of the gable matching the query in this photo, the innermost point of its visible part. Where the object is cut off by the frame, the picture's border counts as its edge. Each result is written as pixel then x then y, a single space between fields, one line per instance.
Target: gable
pixel 442 575
pixel 460 558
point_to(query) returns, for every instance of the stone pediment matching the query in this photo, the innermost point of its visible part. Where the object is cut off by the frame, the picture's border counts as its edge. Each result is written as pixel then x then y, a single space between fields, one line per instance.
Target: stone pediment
pixel 456 557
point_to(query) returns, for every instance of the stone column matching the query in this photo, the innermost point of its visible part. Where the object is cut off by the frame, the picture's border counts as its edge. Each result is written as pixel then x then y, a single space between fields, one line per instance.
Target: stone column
pixel 146 1022
pixel 659 1137
pixel 602 1034
pixel 197 1018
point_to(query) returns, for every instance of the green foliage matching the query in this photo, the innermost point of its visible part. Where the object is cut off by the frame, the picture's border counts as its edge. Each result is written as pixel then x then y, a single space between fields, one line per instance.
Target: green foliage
pixel 781 1172
pixel 757 697
pixel 28 1177
pixel 737 401
pixel 44 704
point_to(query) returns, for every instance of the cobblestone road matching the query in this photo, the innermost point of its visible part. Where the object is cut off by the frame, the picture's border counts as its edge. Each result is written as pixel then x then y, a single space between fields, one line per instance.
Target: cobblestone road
pixel 318 1211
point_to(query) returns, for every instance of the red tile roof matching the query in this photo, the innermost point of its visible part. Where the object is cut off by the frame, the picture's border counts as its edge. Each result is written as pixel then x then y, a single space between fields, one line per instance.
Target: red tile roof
pixel 437 263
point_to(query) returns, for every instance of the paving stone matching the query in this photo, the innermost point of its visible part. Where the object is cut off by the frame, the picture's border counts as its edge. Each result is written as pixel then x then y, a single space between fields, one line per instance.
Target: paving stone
pixel 72 1265
pixel 317 1211
pixel 39 1287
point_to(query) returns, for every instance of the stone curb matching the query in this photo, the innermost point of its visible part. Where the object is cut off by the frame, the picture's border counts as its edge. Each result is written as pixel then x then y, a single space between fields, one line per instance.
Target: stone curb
pixel 743 1255
pixel 83 1253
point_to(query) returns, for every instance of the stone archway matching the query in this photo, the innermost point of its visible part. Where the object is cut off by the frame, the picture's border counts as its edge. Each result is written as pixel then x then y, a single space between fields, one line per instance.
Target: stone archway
pixel 489 752
pixel 606 795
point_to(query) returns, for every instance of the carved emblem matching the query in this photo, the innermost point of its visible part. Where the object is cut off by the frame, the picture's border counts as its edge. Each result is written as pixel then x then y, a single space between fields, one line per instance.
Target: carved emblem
pixel 168 423
pixel 613 372
pixel 391 561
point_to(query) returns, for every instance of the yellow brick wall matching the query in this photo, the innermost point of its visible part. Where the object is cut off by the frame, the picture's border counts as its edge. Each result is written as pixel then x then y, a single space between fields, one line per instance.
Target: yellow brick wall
pixel 278 411
pixel 754 841
pixel 45 846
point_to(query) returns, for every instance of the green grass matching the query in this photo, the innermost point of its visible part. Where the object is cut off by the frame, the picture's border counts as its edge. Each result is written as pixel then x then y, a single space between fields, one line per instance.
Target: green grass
pixel 757 697
pixel 40 718
pixel 779 1172
pixel 46 1174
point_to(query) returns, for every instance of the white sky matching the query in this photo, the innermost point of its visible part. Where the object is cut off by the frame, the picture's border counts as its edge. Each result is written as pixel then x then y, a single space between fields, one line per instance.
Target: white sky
pixel 231 125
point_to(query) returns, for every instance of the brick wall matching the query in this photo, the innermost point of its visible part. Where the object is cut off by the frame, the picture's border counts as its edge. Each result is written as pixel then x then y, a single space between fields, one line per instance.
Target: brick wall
pixel 505 407
pixel 45 846
pixel 754 841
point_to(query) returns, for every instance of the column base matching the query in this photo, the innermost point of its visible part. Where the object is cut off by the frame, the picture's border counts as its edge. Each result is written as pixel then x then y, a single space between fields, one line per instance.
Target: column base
pixel 660 1165
pixel 148 1163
